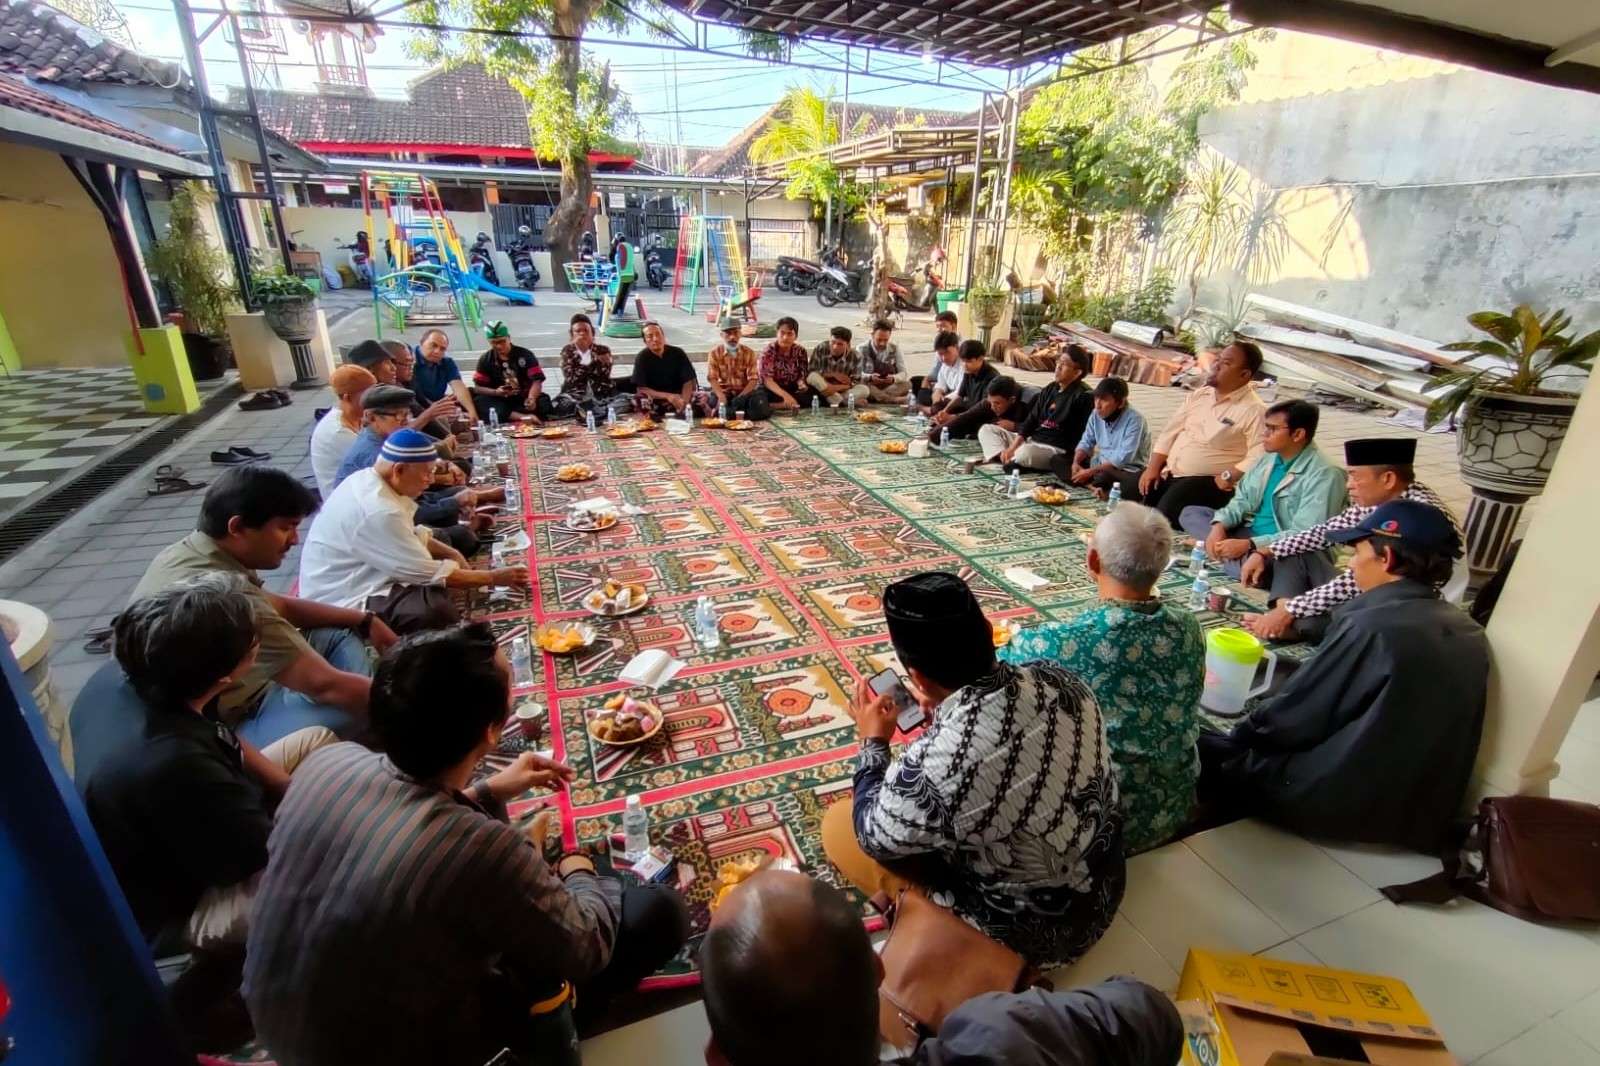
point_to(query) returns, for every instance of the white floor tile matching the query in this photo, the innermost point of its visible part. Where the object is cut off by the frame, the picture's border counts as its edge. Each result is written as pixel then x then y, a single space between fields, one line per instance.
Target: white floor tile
pixel 1176 902
pixel 20 455
pixel 1381 864
pixel 1485 977
pixel 1584 1019
pixel 10 490
pixel 1297 884
pixel 1121 951
pixel 676 1038
pixel 1546 1044
pixel 54 462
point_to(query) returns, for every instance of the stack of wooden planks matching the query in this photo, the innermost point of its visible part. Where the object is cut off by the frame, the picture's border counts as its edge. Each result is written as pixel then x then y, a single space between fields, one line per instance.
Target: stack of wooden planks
pixel 1307 347
pixel 1127 359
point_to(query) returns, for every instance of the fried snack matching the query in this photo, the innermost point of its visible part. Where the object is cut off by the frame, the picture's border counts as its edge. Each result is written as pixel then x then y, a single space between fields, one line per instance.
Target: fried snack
pixel 621 431
pixel 645 425
pixel 741 424
pixel 869 416
pixel 562 640
pixel 730 876
pixel 554 432
pixel 1001 633
pixel 893 447
pixel 713 422
pixel 1046 495
pixel 575 472
pixel 613 597
pixel 623 720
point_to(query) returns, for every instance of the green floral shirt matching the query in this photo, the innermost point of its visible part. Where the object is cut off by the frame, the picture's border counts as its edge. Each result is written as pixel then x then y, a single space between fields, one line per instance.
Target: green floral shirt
pixel 1145 662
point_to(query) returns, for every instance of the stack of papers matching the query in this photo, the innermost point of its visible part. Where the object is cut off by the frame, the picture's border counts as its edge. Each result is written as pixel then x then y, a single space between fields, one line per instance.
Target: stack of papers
pixel 650 669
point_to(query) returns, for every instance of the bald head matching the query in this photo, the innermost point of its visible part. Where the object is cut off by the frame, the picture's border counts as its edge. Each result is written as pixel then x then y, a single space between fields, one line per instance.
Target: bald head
pixel 785 950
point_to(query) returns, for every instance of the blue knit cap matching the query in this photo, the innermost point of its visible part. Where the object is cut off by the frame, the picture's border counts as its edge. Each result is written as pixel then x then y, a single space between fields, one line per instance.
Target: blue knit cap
pixel 409 446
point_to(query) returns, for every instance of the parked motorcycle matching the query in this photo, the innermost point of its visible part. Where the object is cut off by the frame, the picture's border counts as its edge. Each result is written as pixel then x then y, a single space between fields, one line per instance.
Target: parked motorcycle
pixel 841 283
pixel 480 260
pixel 521 252
pixel 655 268
pixel 796 275
pixel 917 291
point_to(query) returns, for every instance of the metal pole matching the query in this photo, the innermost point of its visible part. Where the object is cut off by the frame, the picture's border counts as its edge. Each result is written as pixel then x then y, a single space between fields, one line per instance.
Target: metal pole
pixel 261 144
pixel 1002 198
pixel 977 178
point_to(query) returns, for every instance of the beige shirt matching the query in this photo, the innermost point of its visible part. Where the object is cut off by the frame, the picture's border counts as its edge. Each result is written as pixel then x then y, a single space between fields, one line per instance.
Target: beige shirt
pixel 281 643
pixel 1211 433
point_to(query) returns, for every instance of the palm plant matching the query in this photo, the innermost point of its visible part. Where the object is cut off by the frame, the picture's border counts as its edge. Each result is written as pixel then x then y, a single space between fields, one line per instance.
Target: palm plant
pixel 1206 224
pixel 799 131
pixel 1521 353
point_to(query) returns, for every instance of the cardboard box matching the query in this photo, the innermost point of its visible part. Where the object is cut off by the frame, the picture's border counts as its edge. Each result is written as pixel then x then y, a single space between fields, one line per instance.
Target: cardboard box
pixel 1248 1010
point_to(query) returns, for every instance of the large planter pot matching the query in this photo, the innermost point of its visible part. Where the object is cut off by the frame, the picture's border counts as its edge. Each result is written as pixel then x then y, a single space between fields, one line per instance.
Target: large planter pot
pixel 987 307
pixel 208 357
pixel 295 323
pixel 1507 445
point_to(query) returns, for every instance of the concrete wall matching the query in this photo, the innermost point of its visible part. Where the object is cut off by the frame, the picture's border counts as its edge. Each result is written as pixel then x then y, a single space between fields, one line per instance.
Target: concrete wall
pixel 61 292
pixel 1411 193
pixel 325 228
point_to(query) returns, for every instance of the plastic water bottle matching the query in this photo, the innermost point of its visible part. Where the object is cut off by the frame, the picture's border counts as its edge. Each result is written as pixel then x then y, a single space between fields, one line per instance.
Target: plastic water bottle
pixel 1198 591
pixel 707 631
pixel 1197 560
pixel 688 413
pixel 911 405
pixel 944 437
pixel 635 828
pixel 727 410
pixel 816 404
pixel 521 662
pixel 513 496
pixel 494 421
pixel 850 404
pixel 1013 483
pixel 1114 497
pixel 588 420
pixel 611 416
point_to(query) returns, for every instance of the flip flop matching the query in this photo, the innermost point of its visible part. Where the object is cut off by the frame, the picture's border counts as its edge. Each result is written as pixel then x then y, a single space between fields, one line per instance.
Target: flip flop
pixel 169 470
pixel 230 458
pixel 261 401
pixel 166 486
pixel 250 453
pixel 98 641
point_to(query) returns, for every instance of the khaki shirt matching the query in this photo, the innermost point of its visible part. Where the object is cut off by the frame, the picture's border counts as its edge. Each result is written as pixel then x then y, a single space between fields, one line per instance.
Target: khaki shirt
pixel 281 643
pixel 1211 433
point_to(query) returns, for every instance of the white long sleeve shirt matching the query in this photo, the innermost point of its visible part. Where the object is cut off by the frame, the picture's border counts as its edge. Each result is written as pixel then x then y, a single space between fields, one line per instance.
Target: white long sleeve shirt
pixel 364 542
pixel 329 441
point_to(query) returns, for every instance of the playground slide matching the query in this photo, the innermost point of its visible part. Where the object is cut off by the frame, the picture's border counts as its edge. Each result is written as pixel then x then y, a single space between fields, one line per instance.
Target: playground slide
pixel 473 280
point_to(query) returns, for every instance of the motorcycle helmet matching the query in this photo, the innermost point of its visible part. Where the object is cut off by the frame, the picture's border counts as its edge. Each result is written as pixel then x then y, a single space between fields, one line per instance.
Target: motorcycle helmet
pixel 524 231
pixel 483 237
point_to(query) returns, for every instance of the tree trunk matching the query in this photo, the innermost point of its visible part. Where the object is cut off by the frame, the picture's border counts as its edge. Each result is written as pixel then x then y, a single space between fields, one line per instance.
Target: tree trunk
pixel 567 222
pixel 879 302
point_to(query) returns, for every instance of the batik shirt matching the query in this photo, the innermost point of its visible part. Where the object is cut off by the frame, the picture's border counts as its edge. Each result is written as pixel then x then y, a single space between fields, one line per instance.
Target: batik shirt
pixel 823 361
pixel 733 372
pixel 1343 588
pixel 1145 662
pixel 785 366
pixel 1009 801
pixel 578 377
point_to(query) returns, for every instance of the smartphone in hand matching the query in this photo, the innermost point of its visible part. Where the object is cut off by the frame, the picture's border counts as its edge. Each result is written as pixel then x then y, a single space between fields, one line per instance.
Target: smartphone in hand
pixel 910 713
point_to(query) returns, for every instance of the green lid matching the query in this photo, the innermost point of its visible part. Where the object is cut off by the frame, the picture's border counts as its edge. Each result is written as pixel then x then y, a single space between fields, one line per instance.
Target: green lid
pixel 1236 644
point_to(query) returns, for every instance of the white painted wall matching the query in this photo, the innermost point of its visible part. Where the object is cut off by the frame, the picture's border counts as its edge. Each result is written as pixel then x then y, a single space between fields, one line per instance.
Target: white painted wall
pixel 325 228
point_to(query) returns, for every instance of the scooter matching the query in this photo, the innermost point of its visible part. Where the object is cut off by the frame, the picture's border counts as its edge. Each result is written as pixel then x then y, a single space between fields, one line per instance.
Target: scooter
pixel 655 270
pixel 481 261
pixel 841 284
pixel 521 252
pixel 796 275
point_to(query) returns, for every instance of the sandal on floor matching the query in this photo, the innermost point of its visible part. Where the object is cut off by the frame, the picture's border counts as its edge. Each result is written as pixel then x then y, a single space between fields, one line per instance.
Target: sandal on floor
pixel 169 470
pixel 98 641
pixel 166 486
pixel 250 453
pixel 230 458
pixel 261 401
pixel 282 396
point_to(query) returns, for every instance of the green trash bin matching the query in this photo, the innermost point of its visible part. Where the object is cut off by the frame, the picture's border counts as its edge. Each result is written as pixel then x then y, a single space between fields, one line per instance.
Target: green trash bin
pixel 945 297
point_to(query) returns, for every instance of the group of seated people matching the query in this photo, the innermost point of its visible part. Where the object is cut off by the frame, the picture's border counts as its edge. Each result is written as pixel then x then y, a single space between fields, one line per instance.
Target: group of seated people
pixel 280 791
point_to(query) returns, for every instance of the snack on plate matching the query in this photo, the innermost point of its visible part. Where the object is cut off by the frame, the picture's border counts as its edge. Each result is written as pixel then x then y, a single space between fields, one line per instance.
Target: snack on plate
pixel 893 447
pixel 525 430
pixel 869 416
pixel 1002 634
pixel 615 597
pixel 1051 496
pixel 575 472
pixel 730 876
pixel 622 430
pixel 645 425
pixel 591 521
pixel 554 432
pixel 564 639
pixel 713 422
pixel 623 720
pixel 741 424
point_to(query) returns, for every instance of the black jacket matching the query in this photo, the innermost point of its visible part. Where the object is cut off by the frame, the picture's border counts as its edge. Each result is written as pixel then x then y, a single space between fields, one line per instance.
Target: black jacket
pixel 1058 415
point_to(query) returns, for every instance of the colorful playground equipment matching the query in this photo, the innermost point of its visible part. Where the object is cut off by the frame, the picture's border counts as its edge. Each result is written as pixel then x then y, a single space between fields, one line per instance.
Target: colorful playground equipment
pixel 712 242
pixel 430 281
pixel 607 284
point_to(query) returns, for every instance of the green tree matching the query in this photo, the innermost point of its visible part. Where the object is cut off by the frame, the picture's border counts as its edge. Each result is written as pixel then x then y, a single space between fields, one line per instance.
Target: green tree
pixel 804 126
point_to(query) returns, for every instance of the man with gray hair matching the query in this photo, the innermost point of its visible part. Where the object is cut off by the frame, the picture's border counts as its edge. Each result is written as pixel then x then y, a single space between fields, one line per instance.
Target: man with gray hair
pixel 1145 661
pixel 182 805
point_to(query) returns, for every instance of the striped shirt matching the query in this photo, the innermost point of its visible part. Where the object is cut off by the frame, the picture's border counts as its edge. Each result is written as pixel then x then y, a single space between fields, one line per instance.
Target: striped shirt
pixel 384 905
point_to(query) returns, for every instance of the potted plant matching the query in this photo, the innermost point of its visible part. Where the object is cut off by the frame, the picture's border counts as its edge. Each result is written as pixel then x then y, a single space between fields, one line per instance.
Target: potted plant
pixel 1511 422
pixel 987 301
pixel 195 273
pixel 289 307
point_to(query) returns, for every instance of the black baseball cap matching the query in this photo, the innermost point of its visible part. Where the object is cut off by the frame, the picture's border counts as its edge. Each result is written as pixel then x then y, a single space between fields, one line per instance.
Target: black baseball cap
pixel 387 398
pixel 1408 522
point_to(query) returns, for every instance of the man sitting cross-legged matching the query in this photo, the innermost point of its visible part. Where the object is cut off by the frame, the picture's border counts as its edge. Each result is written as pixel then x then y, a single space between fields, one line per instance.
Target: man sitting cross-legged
pixel 1295 489
pixel 382 360
pixel 1001 406
pixel 1304 581
pixel 402 921
pixel 436 375
pixel 783 368
pixel 944 378
pixel 181 804
pixel 790 979
pixel 1055 422
pixel 834 371
pixel 508 380
pixel 1373 738
pixel 311 666
pixel 586 365
pixel 1115 445
pixel 1034 861
pixel 1145 660
pixel 884 372
pixel 336 430
pixel 431 417
pixel 731 373
pixel 663 378
pixel 976 373
pixel 366 551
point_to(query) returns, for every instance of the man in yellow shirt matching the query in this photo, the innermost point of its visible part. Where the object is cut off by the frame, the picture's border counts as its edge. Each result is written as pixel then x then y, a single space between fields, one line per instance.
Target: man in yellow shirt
pixel 1206 446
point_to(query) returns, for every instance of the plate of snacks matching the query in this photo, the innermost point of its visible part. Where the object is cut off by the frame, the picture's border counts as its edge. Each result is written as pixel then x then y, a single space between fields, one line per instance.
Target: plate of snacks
pixel 624 721
pixel 869 417
pixel 645 425
pixel 524 430
pixel 731 875
pixel 622 431
pixel 584 521
pixel 554 432
pixel 1001 632
pixel 615 598
pixel 893 447
pixel 564 638
pixel 575 472
pixel 1050 496
pixel 741 424
pixel 713 422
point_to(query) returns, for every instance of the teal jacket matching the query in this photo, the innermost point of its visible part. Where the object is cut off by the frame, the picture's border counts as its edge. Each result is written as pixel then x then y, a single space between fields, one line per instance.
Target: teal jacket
pixel 1311 491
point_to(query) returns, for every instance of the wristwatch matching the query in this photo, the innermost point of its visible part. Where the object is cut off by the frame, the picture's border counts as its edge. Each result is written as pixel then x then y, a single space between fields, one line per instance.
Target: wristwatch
pixel 364 627
pixel 1227 475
